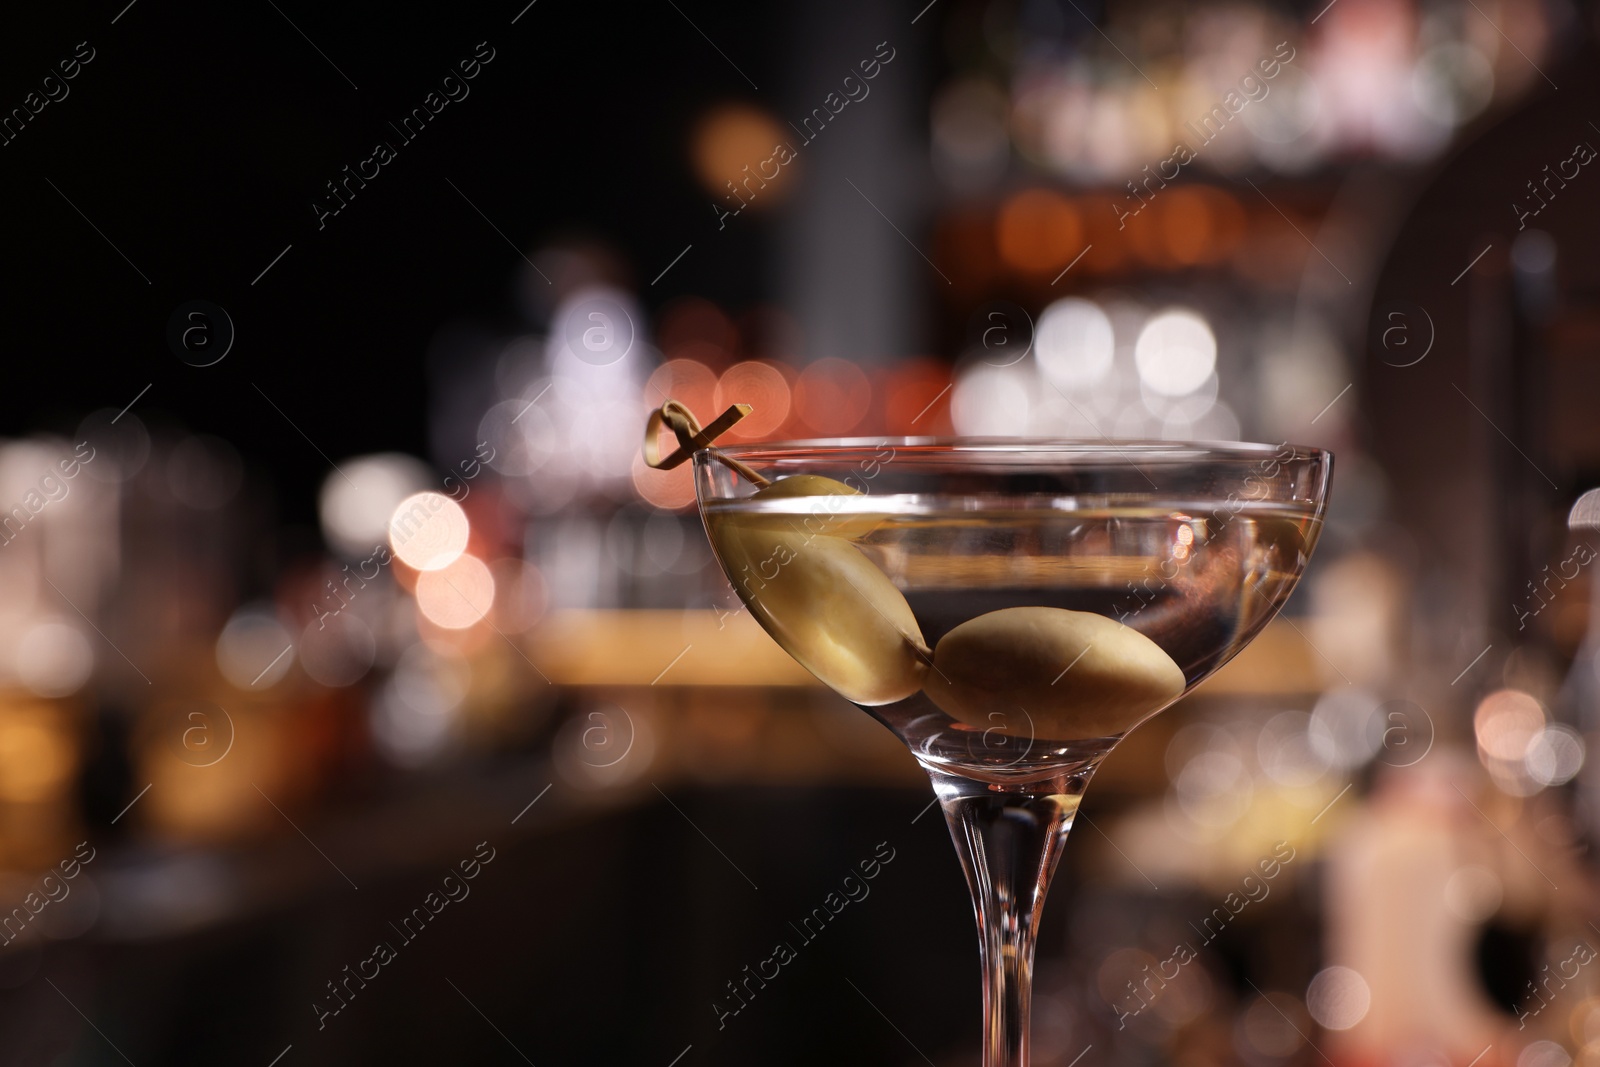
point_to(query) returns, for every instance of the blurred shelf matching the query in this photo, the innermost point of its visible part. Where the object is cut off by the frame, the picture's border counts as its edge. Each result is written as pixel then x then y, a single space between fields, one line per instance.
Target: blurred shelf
pixel 675 648
pixel 728 709
pixel 705 648
pixel 1281 662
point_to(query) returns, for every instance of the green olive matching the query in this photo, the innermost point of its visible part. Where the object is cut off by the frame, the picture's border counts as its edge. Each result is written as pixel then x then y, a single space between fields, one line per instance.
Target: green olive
pixel 828 605
pixel 820 517
pixel 804 485
pixel 1050 673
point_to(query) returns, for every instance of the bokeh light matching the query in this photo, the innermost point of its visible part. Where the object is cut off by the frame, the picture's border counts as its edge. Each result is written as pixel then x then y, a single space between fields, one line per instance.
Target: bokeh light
pixel 671 489
pixel 1200 225
pixel 1214 789
pixel 1555 755
pixel 917 397
pixel 414 716
pixel 54 659
pixel 519 434
pixel 1176 352
pixel 1107 244
pixel 456 596
pixel 1506 723
pixel 990 401
pixel 763 386
pixel 428 531
pixel 1285 751
pixel 832 396
pixel 337 650
pixel 687 381
pixel 357 500
pixel 1543 1054
pixel 1268 1027
pixel 1584 1023
pixel 731 138
pixel 254 649
pixel 36 754
pixel 1038 231
pixel 1074 343
pixel 1338 998
pixel 1346 728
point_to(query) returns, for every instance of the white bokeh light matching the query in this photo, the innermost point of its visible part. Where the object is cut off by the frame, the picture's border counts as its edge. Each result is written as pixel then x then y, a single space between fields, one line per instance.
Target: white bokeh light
pixel 357 500
pixel 1555 755
pixel 254 649
pixel 428 531
pixel 1346 728
pixel 1285 751
pixel 989 401
pixel 1176 352
pixel 1544 1054
pixel 1074 343
pixel 415 714
pixel 1338 998
pixel 1214 789
pixel 54 659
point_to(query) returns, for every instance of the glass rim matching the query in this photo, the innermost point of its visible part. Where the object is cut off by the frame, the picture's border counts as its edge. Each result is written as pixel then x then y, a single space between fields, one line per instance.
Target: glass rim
pixel 1107 448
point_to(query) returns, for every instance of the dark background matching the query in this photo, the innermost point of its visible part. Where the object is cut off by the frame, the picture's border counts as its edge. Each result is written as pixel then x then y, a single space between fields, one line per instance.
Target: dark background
pixel 198 139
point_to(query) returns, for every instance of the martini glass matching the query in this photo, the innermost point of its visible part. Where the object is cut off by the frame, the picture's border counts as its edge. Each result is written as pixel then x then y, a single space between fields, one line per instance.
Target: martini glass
pixel 1010 609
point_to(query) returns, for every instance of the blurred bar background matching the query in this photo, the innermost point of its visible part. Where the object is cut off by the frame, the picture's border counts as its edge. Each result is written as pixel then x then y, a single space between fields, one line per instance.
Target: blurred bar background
pixel 287 636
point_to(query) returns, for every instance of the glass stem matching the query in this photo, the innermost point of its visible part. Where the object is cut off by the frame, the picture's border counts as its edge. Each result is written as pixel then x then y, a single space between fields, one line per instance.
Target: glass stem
pixel 1009 837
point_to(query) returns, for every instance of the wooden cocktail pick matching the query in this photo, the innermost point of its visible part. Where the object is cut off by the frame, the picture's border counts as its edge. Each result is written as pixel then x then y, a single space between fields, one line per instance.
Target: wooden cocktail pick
pixel 692 437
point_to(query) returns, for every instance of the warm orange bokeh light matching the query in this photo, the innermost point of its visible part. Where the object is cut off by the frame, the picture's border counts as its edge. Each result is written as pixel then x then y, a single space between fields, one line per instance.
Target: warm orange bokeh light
pixel 690 383
pixel 1228 224
pixel 1145 232
pixel 1107 239
pixel 917 400
pixel 761 385
pixel 457 596
pixel 1200 225
pixel 1506 721
pixel 671 490
pixel 37 756
pixel 730 139
pixel 1187 226
pixel 1038 231
pixel 832 396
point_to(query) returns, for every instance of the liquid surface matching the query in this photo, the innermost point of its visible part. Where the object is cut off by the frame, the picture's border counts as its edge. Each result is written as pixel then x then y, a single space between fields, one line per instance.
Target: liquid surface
pixel 862 590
